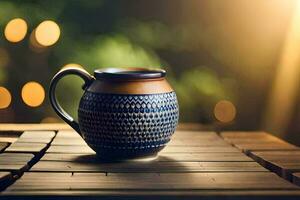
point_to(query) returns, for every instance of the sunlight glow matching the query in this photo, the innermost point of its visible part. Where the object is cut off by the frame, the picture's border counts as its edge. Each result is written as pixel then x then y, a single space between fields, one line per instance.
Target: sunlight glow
pixel 283 95
pixel 15 30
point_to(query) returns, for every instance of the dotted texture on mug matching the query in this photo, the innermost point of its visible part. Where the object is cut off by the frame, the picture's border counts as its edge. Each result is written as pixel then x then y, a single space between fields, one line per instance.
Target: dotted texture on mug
pixel 128 121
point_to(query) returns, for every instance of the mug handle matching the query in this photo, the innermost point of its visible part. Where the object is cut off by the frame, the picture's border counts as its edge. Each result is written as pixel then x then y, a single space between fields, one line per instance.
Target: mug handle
pixel 88 79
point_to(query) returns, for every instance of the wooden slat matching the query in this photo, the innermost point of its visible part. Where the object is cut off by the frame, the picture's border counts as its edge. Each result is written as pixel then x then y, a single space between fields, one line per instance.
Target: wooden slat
pixel 26 148
pixel 199 149
pixel 281 156
pixel 70 157
pixel 15 158
pixel 8 139
pixel 197 142
pixel 193 126
pixel 154 182
pixel 34 140
pixel 283 163
pixel 38 134
pixel 66 134
pixel 41 137
pixel 266 147
pixel 34 127
pixel 256 141
pixel 70 149
pixel 15 162
pixel 263 140
pixel 195 134
pixel 46 175
pixel 246 134
pixel 31 142
pixel 68 141
pixel 14 168
pixel 205 157
pixel 244 194
pixel 161 167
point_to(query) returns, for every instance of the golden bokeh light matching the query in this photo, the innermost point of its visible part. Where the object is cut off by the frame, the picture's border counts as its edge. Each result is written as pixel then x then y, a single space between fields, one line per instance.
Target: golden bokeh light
pixel 15 30
pixel 225 111
pixel 5 98
pixel 33 94
pixel 72 65
pixel 47 33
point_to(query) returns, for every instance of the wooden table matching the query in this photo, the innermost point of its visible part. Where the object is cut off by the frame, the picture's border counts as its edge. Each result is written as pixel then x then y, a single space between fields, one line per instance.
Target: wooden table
pixel 51 161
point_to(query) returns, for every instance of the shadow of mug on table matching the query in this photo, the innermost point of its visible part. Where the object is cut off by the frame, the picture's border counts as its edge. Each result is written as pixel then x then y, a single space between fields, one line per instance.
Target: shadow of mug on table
pixel 124 113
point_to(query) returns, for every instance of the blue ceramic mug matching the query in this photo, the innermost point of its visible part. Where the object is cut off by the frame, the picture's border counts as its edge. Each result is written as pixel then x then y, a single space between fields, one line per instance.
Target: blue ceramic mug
pixel 123 113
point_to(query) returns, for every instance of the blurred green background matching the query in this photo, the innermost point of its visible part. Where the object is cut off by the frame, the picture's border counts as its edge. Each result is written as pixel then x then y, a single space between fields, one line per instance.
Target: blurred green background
pixel 223 58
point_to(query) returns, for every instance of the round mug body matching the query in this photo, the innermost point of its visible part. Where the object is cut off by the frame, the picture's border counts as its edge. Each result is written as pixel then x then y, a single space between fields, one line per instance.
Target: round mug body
pixel 128 113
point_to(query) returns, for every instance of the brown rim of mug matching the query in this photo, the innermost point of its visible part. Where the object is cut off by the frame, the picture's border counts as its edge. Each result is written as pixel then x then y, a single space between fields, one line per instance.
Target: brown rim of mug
pixel 129 73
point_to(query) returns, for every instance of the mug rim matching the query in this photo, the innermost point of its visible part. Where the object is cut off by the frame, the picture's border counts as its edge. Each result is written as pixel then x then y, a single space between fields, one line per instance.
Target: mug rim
pixel 129 73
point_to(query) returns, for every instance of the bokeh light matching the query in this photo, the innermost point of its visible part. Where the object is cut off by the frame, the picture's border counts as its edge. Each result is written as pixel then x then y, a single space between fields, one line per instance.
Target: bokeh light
pixel 47 33
pixel 5 98
pixel 225 111
pixel 33 94
pixel 15 30
pixel 72 65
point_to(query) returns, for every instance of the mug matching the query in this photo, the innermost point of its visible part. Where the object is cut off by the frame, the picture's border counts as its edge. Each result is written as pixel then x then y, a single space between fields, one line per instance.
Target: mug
pixel 124 112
